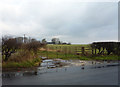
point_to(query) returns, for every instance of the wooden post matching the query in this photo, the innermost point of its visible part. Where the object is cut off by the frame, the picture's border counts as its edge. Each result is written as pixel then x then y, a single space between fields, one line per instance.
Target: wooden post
pixel 92 51
pixel 69 50
pixel 95 51
pixel 75 50
pixel 99 50
pixel 83 51
pixel 47 51
pixel 79 51
pixel 57 51
pixel 65 51
pixel 60 49
pixel 103 50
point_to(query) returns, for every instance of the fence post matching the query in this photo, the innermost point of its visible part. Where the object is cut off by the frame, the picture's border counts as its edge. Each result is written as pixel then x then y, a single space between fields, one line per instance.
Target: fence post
pixel 69 51
pixel 66 52
pixel 79 51
pixel 75 50
pixel 95 51
pixel 83 50
pixel 57 51
pixel 92 51
pixel 47 51
pixel 103 50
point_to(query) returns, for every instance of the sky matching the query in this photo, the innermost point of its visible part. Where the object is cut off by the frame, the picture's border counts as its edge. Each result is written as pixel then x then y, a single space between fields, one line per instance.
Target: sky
pixel 73 21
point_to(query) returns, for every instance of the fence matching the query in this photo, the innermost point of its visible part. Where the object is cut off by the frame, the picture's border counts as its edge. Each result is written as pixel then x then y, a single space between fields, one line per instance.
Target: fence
pixel 56 51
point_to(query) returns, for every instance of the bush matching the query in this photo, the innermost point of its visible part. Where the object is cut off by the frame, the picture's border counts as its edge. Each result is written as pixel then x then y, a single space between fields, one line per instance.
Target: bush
pixel 21 56
pixel 33 46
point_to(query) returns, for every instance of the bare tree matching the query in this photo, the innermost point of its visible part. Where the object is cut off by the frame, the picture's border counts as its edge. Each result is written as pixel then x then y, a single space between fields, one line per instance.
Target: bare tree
pixel 44 41
pixel 9 45
pixel 55 40
pixel 33 46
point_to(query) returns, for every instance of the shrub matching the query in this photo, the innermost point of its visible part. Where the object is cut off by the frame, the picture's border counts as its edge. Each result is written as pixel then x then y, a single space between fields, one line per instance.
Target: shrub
pixel 21 56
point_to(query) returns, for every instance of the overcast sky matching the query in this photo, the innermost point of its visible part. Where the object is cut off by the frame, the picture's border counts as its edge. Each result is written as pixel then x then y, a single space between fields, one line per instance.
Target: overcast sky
pixel 70 20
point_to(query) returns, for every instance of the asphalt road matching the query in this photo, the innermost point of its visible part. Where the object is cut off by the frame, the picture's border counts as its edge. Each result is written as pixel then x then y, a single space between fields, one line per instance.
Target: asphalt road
pixel 73 75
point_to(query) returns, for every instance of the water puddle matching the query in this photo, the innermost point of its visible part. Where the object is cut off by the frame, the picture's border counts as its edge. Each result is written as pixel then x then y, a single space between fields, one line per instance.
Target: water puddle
pixel 55 65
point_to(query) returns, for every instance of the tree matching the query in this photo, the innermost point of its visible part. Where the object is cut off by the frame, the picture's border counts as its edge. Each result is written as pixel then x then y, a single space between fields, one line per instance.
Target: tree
pixel 33 46
pixel 44 41
pixel 55 40
pixel 9 45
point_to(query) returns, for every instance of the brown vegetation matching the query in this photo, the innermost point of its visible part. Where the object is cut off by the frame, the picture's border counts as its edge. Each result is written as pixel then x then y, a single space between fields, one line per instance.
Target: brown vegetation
pixel 16 53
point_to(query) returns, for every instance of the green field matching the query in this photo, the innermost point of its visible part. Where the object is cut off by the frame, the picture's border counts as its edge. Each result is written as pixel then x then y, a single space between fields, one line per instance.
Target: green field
pixel 72 49
pixel 74 52
pixel 66 52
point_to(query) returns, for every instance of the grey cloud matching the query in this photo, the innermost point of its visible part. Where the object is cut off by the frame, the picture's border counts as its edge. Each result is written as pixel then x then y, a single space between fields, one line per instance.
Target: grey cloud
pixel 75 22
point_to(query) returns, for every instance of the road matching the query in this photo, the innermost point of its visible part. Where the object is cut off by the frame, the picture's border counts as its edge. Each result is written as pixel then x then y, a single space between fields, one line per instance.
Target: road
pixel 73 75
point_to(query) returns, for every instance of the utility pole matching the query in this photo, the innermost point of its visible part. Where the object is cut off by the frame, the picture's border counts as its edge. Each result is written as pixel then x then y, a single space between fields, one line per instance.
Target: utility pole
pixel 29 39
pixel 24 38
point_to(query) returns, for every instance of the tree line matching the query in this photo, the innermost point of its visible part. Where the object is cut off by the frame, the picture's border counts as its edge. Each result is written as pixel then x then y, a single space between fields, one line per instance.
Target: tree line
pixel 10 45
pixel 110 47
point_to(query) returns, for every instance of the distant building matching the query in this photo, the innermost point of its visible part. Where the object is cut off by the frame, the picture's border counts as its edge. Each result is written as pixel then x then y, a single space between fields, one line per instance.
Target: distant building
pixel 64 43
pixel 55 40
pixel 49 42
pixel 32 40
pixel 19 39
pixel 26 40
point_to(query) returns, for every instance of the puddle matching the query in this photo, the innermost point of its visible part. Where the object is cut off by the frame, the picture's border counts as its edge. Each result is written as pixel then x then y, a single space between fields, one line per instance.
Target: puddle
pixel 49 63
pixel 55 65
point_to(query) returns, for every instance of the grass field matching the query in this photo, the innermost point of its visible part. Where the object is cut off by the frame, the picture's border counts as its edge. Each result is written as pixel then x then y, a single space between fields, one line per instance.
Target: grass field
pixel 72 48
pixel 66 52
pixel 71 51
